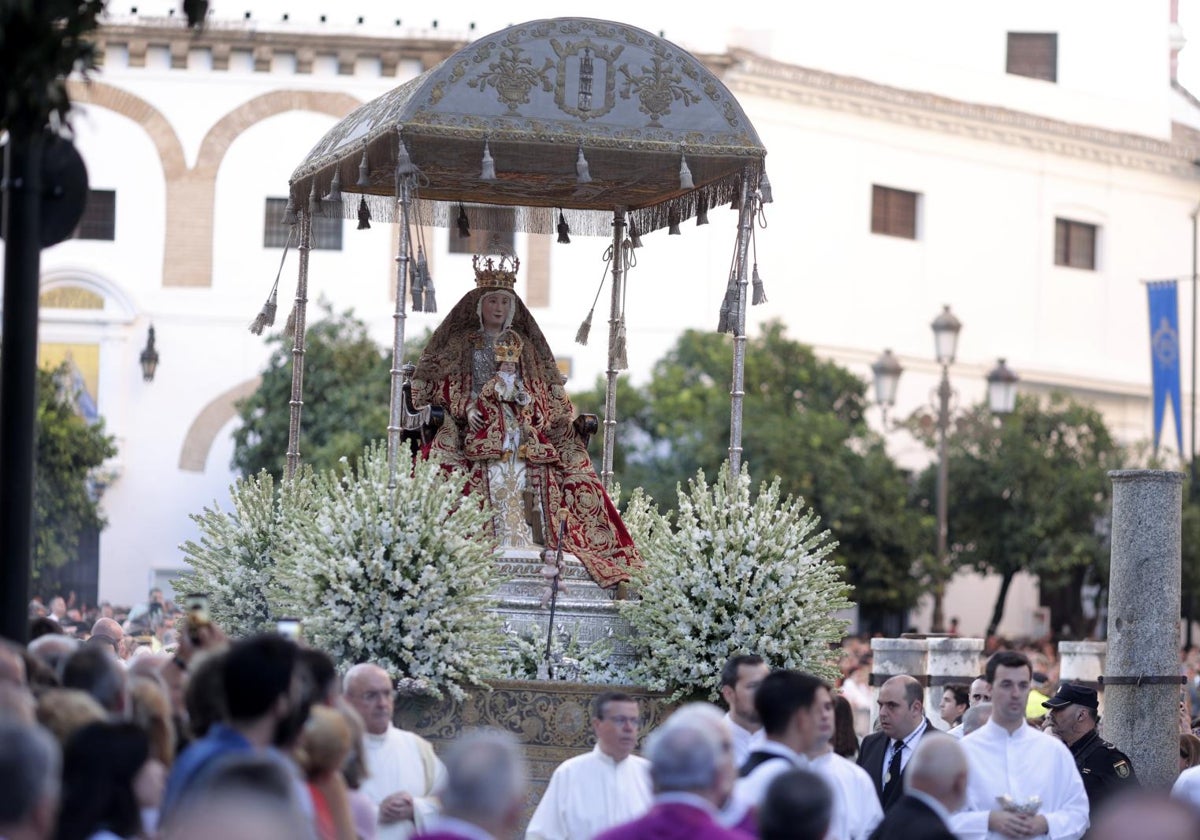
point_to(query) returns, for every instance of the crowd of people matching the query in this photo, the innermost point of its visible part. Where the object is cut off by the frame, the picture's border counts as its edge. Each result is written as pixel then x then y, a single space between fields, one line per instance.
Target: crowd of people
pixel 195 735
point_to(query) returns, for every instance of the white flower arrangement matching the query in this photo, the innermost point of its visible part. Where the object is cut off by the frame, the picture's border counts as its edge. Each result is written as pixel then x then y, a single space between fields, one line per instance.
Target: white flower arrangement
pixel 400 576
pixel 734 575
pixel 234 561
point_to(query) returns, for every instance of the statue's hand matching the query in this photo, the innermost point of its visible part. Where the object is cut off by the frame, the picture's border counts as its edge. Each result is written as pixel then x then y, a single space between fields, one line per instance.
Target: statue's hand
pixel 474 419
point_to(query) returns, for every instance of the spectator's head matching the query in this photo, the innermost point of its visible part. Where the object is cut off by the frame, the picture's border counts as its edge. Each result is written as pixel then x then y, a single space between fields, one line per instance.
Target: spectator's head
pixel 101 766
pixel 324 744
pixel 740 679
pixel 204 696
pixel 58 607
pixel 616 720
pixel 12 663
pixel 956 699
pixel 975 717
pixel 369 690
pixel 247 797
pixel 355 769
pixel 486 782
pixel 17 703
pixel 1074 712
pixel 1010 675
pixel 321 667
pixel 1144 813
pixel 53 650
pixel 798 805
pixel 981 691
pixel 938 768
pixel 44 626
pixel 693 753
pixel 150 709
pixel 64 711
pixel 108 632
pixel 100 674
pixel 901 706
pixel 796 709
pixel 29 776
pixel 1189 751
pixel 258 674
pixel 845 739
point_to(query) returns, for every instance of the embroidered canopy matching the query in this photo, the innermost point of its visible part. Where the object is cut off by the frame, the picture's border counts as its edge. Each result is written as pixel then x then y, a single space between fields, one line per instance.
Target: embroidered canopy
pixel 584 115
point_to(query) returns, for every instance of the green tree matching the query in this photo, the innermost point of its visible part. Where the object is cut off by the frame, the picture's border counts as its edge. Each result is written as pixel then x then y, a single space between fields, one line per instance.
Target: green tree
pixel 69 449
pixel 1029 493
pixel 804 422
pixel 347 391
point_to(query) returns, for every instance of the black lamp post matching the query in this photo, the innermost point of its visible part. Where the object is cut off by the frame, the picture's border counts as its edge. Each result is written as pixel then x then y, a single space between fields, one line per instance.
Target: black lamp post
pixel 149 357
pixel 1002 394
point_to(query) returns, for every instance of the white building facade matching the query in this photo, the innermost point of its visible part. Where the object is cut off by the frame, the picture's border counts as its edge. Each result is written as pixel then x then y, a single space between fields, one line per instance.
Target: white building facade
pixel 979 169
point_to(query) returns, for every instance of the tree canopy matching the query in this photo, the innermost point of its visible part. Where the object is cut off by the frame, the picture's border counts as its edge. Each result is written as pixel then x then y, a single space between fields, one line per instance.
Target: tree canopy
pixel 1030 492
pixel 804 422
pixel 69 449
pixel 347 387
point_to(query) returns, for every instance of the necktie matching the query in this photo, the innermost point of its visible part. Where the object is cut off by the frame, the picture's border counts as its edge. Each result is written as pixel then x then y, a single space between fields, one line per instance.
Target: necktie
pixel 892 778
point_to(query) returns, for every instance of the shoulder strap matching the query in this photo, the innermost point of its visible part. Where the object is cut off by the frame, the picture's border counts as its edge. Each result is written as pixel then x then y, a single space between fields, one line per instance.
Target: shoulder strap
pixel 756 758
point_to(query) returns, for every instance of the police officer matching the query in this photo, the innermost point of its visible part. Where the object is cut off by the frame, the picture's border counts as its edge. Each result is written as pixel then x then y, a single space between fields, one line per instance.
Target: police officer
pixel 1073 718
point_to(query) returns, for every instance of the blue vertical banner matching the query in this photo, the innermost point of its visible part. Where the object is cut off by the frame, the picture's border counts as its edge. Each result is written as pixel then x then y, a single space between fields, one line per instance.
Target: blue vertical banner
pixel 1164 355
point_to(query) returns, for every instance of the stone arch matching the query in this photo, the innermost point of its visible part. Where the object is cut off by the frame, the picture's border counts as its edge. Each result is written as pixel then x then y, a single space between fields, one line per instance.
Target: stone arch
pixel 160 131
pixel 198 441
pixel 193 195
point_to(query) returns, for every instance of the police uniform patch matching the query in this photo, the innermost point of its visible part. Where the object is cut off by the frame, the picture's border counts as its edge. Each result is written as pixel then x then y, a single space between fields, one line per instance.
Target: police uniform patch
pixel 1122 768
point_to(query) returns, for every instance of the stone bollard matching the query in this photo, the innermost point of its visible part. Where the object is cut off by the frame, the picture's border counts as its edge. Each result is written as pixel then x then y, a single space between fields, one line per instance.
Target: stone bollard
pixel 951 660
pixel 1141 677
pixel 1083 663
pixel 893 657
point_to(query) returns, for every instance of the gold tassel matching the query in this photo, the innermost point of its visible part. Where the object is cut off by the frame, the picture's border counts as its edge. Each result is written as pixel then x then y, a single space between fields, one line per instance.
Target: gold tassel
pixel 430 297
pixel 760 295
pixel 581 337
pixel 620 359
pixel 416 285
pixel 266 315
pixel 289 329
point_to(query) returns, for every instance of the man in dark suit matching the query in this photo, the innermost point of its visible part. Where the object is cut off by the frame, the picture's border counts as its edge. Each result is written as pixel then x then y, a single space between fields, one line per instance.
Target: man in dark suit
pixel 902 727
pixel 935 786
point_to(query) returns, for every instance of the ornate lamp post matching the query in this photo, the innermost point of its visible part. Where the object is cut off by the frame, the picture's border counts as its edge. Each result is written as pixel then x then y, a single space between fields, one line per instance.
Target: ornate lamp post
pixel 1002 395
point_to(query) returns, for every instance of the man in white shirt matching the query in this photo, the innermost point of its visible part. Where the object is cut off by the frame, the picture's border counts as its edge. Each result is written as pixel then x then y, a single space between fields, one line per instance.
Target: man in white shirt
pixel 1031 772
pixel 797 713
pixel 740 679
pixel 595 791
pixel 404 774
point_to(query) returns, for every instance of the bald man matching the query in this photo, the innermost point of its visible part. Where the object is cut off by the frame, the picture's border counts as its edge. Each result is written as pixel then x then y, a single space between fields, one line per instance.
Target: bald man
pixel 902 727
pixel 935 786
pixel 107 632
pixel 403 772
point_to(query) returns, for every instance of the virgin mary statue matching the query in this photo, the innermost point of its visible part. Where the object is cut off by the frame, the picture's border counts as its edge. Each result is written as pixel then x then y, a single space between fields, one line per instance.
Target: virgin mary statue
pixel 509 426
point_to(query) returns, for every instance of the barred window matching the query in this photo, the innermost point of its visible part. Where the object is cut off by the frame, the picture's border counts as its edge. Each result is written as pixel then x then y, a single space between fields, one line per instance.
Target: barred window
pixel 99 220
pixel 893 212
pixel 326 231
pixel 1074 244
pixel 1033 54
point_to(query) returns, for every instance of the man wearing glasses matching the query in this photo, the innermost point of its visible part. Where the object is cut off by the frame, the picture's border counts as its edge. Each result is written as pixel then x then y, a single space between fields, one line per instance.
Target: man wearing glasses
pixel 595 791
pixel 403 770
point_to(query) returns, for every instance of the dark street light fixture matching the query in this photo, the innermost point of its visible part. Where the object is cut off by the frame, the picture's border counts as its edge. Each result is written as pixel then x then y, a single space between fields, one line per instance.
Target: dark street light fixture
pixel 149 357
pixel 1002 395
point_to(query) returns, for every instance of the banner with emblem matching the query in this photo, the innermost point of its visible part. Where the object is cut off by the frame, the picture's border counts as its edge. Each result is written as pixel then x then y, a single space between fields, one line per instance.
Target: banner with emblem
pixel 1164 356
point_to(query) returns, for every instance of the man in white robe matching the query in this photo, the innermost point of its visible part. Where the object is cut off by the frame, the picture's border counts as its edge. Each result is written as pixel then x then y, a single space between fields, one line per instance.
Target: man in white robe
pixel 740 679
pixel 1010 759
pixel 595 791
pixel 404 774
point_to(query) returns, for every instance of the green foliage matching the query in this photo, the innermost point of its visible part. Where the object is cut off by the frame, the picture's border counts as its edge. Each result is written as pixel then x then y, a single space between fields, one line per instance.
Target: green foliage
pixel 1028 492
pixel 803 419
pixel 736 574
pixel 69 450
pixel 347 389
pixel 41 43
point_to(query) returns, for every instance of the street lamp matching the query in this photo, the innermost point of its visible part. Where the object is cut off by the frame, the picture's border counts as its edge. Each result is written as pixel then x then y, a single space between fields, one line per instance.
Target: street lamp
pixel 1002 395
pixel 149 357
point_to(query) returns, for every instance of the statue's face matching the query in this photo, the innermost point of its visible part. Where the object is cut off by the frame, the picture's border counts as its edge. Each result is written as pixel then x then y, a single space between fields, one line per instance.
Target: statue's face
pixel 494 310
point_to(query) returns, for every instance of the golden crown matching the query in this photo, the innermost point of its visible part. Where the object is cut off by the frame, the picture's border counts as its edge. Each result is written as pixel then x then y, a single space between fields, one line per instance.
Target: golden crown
pixel 508 347
pixel 496 271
